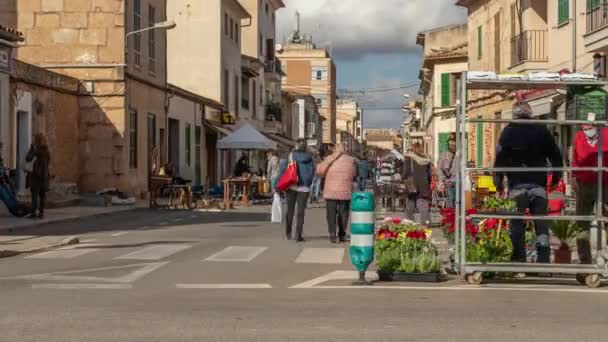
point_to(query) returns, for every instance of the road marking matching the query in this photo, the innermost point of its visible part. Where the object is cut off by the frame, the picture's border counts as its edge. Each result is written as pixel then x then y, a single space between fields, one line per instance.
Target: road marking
pixel 154 252
pixel 321 256
pixel 237 254
pixel 120 234
pixel 87 241
pixel 223 286
pixel 336 275
pixel 82 286
pixel 143 269
pixel 62 253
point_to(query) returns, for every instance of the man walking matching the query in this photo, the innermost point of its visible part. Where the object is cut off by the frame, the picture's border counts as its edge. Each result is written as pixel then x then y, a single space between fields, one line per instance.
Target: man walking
pixel 364 172
pixel 297 194
pixel 339 171
pixel 417 174
pixel 528 145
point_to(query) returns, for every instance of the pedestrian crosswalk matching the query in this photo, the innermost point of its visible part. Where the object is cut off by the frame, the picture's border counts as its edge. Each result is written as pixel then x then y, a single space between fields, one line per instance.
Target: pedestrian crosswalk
pixel 221 254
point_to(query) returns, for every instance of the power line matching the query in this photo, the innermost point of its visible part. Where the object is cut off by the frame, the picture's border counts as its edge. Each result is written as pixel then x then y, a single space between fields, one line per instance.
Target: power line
pixel 376 90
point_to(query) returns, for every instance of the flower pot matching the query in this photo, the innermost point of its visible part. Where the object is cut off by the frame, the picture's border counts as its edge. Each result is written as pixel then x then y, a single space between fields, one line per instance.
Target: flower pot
pixel 410 277
pixel 563 255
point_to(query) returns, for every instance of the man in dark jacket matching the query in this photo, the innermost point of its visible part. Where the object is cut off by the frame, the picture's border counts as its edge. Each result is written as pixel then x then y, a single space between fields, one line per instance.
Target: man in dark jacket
pixel 363 172
pixel 37 179
pixel 528 145
pixel 298 194
pixel 416 171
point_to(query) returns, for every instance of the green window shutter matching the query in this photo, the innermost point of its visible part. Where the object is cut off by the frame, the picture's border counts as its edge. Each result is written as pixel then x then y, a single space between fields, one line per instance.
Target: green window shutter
pixel 445 90
pixel 479 42
pixel 592 4
pixel 442 141
pixel 563 11
pixel 479 144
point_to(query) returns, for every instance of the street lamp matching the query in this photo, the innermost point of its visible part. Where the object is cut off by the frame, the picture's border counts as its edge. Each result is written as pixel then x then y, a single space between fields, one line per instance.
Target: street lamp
pixel 163 25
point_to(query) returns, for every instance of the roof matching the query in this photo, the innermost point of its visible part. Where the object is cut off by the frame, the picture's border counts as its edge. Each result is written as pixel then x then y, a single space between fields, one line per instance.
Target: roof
pixel 463 3
pixel 422 34
pixel 194 97
pixel 242 11
pixel 11 34
pixel 246 138
pixel 277 4
pixel 460 50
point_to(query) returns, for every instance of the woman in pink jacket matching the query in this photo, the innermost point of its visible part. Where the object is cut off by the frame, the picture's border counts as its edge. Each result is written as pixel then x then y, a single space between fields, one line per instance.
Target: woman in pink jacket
pixel 339 171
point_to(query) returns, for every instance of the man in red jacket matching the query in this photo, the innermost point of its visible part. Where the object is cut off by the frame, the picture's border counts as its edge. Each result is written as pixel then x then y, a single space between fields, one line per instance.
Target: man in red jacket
pixel 585 183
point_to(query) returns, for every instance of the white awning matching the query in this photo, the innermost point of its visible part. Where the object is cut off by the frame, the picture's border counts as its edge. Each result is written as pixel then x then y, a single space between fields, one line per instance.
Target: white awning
pixel 246 138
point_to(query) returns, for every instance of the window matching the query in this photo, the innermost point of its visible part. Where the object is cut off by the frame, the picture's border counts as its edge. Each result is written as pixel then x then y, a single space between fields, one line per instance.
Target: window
pixel 592 4
pixel 563 11
pixel 245 92
pixel 321 100
pixel 151 40
pixel 479 42
pixel 188 136
pixel 319 73
pixel 236 32
pixel 226 25
pixel 132 139
pixel 261 44
pixel 226 90
pixel 137 37
pixel 197 154
pixel 231 29
pixel 266 8
pixel 261 95
pixel 446 80
pixel 236 96
pixel 442 142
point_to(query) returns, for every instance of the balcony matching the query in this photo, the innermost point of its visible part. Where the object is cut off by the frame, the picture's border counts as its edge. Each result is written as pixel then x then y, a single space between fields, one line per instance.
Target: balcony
pixel 529 51
pixel 596 38
pixel 273 70
pixel 273 112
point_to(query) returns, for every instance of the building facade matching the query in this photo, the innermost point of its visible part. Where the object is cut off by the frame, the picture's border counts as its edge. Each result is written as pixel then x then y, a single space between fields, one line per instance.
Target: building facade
pixel 347 118
pixel 444 59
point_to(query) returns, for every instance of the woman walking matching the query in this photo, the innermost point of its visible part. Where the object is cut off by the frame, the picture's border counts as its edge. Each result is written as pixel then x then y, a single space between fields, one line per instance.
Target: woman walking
pixel 37 179
pixel 417 175
pixel 339 170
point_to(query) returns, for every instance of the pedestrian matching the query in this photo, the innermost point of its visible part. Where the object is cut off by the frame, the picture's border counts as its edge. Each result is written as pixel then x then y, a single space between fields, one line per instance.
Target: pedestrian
pixel 364 172
pixel 527 145
pixel 417 173
pixel 315 191
pixel 272 168
pixel 242 167
pixel 447 171
pixel 339 170
pixel 584 183
pixel 37 179
pixel 297 195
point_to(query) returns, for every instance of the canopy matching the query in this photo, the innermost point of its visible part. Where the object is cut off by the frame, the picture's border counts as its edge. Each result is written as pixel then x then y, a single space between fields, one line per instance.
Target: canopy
pixel 393 154
pixel 246 138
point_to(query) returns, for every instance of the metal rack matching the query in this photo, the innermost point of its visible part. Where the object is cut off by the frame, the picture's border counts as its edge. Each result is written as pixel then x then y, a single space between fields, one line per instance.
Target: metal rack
pixel 588 274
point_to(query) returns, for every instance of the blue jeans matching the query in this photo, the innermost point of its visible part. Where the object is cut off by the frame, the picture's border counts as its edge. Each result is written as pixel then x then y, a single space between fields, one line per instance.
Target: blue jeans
pixel 362 184
pixel 533 197
pixel 315 189
pixel 451 195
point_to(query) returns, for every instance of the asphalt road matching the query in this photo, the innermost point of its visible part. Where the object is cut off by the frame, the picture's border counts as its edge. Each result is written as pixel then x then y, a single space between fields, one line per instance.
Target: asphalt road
pixel 194 276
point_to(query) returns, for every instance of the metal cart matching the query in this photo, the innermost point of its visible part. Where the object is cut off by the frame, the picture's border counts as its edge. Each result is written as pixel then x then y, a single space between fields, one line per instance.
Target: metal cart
pixel 590 274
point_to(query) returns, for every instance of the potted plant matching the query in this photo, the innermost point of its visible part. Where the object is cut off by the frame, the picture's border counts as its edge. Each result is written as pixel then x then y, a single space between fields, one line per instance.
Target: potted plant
pixel 565 231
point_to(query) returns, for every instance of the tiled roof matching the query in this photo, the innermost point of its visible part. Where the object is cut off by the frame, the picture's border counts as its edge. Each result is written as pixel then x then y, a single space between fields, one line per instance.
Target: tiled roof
pixel 450 52
pixel 11 33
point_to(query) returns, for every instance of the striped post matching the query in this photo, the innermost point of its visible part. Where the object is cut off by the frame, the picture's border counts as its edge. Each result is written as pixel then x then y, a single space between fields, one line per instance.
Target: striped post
pixel 362 232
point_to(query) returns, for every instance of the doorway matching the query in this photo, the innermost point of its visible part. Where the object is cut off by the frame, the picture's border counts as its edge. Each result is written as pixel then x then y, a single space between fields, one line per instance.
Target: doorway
pixel 197 155
pixel 211 147
pixel 174 143
pixel 24 140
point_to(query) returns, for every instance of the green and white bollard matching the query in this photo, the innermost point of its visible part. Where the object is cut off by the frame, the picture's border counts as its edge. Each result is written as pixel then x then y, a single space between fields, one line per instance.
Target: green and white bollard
pixel 362 233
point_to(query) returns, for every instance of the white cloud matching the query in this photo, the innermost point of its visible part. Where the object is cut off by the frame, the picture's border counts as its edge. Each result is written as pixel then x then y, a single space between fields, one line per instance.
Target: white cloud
pixel 358 27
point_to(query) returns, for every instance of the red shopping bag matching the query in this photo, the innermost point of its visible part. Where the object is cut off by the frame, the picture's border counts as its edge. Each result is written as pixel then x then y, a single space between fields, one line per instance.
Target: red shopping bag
pixel 289 177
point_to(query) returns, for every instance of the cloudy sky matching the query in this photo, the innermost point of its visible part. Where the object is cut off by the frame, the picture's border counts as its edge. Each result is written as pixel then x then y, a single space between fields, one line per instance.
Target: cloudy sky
pixel 373 43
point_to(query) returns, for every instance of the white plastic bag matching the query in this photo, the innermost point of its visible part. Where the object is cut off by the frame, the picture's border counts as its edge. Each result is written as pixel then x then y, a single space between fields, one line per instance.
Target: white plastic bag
pixel 276 215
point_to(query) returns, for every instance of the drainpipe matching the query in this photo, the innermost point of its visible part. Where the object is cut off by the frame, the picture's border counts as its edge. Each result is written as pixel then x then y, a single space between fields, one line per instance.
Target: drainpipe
pixel 574 35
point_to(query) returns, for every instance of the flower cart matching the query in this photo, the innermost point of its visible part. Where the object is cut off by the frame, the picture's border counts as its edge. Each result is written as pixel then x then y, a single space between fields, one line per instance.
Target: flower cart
pixel 472 259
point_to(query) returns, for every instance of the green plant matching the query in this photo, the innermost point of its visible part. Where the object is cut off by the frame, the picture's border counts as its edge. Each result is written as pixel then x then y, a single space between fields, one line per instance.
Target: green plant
pixel 499 203
pixel 565 231
pixel 389 258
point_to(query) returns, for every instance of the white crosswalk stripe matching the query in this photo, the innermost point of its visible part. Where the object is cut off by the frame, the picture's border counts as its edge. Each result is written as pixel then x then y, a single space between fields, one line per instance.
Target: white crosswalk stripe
pixel 321 256
pixel 237 254
pixel 62 253
pixel 154 252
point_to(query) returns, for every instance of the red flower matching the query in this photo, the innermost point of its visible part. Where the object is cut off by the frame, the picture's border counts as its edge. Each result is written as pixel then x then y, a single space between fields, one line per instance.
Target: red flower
pixel 396 220
pixel 416 235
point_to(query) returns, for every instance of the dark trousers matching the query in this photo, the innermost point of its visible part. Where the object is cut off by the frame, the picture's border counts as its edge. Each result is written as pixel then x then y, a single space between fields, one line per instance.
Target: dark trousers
pixel 294 199
pixel 337 213
pixel 38 199
pixel 534 198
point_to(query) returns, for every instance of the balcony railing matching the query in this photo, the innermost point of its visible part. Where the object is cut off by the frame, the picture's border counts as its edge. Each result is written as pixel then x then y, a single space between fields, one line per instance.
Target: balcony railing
pixel 273 66
pixel 529 46
pixel 597 16
pixel 273 112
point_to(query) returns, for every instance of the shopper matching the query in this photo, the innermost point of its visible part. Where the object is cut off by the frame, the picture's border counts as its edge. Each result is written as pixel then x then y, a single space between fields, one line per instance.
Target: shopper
pixel 527 145
pixel 315 190
pixel 417 173
pixel 297 195
pixel 339 170
pixel 242 167
pixel 364 172
pixel 447 171
pixel 272 168
pixel 585 183
pixel 37 179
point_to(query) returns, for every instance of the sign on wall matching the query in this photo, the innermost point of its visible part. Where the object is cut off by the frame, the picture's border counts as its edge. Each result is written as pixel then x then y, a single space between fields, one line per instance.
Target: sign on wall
pixel 5 59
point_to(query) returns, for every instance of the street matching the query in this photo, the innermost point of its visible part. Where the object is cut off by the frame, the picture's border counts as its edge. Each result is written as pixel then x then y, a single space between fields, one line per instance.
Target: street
pixel 203 276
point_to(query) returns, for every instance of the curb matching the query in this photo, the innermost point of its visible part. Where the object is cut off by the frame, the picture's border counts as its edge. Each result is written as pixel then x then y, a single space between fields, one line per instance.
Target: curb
pixel 72 240
pixel 65 220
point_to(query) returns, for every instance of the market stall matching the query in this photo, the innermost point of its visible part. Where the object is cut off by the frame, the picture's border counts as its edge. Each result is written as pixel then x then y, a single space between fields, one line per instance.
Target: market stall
pixel 481 234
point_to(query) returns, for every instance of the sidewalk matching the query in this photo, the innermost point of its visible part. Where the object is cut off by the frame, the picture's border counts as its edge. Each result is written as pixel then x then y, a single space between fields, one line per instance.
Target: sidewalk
pixel 12 244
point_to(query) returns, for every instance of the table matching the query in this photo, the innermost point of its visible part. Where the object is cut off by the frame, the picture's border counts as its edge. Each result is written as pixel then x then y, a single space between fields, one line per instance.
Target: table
pixel 245 183
pixel 156 183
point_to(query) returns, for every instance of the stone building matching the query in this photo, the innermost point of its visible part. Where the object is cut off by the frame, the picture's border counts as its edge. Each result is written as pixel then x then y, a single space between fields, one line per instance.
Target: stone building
pixel 347 117
pixel 123 110
pixel 8 42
